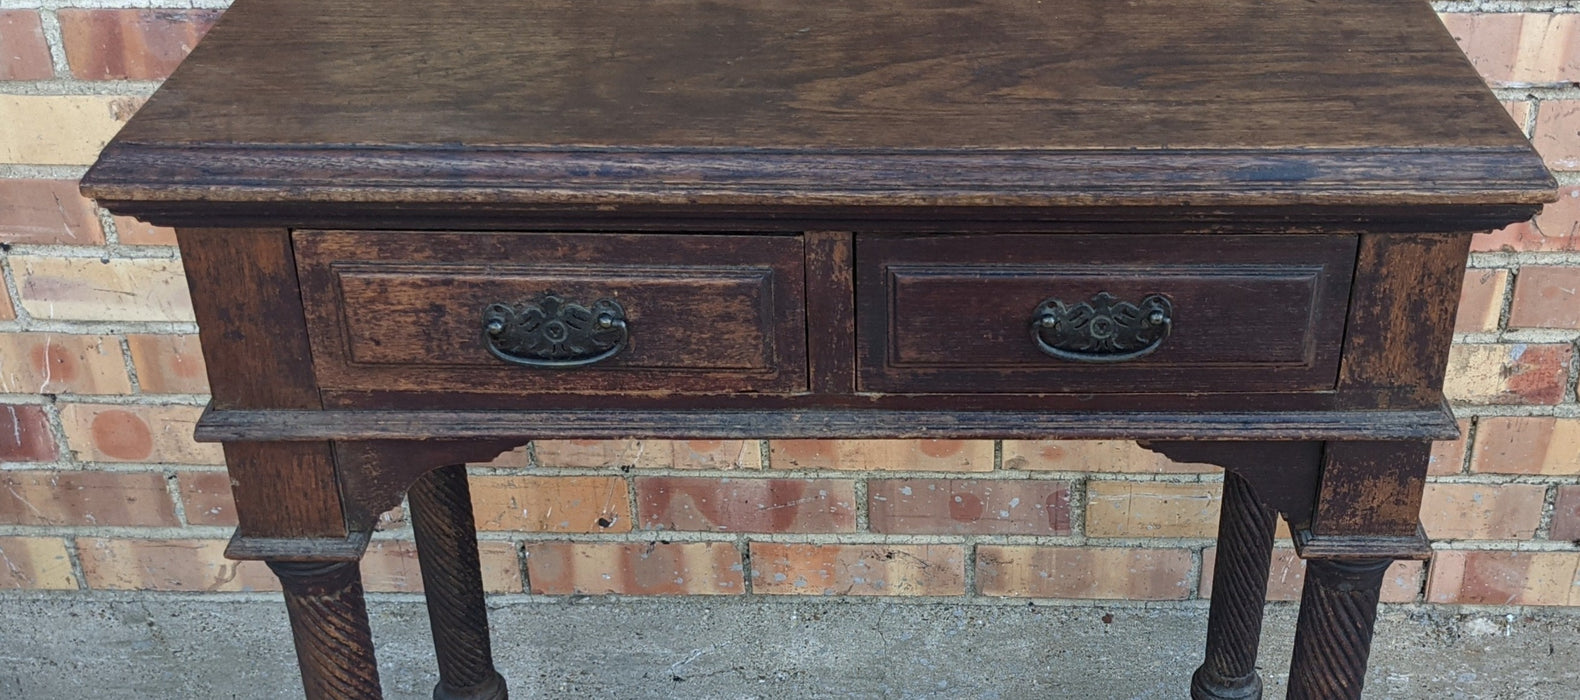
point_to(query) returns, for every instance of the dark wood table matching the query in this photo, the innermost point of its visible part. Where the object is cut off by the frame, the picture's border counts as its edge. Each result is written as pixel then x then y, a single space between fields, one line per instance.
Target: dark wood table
pixel 421 233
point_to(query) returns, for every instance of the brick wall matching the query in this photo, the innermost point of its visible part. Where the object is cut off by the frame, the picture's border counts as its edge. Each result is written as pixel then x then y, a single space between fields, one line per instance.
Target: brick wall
pixel 101 379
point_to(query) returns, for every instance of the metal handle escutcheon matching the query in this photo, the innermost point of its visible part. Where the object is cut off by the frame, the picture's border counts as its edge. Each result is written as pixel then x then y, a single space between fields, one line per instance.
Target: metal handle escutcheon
pixel 1104 329
pixel 550 332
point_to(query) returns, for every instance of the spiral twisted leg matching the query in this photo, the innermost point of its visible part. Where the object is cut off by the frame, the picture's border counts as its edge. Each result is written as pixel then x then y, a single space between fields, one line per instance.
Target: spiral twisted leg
pixel 329 622
pixel 1338 609
pixel 441 505
pixel 1239 592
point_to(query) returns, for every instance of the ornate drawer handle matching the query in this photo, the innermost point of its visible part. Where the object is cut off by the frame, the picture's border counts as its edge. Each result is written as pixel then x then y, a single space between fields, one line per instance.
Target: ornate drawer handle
pixel 1104 329
pixel 552 332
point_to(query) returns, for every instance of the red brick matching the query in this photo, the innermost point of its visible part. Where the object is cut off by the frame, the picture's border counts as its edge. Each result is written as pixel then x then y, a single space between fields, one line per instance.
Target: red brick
pixel 25 435
pixel 1448 456
pixel 1481 300
pixel 1519 48
pixel 883 455
pixel 130 44
pixel 1083 572
pixel 391 566
pixel 1555 229
pixel 206 498
pixel 168 565
pixel 1505 578
pixel 24 53
pixel 49 212
pixel 129 499
pixel 1557 135
pixel 168 364
pixel 1566 514
pixel 52 363
pixel 1401 584
pixel 1546 297
pixel 551 503
pixel 1518 373
pixel 634 568
pixel 858 569
pixel 1482 511
pixel 746 505
pixel 963 506
pixel 1527 445
pixel 35 563
pixel 1093 456
pixel 130 231
pixel 649 454
pixel 137 433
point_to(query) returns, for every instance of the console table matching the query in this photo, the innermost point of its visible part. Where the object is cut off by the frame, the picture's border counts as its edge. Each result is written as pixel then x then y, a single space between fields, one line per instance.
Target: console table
pixel 420 233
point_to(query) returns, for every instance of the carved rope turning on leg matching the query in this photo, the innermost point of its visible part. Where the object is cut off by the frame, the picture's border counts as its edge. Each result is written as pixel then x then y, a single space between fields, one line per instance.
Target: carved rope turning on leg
pixel 329 623
pixel 1239 593
pixel 453 583
pixel 1338 609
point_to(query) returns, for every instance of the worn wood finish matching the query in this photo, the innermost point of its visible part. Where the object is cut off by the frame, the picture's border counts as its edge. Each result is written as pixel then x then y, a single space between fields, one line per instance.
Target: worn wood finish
pixel 1282 475
pixel 1338 610
pixel 1371 488
pixel 403 311
pixel 285 490
pixel 329 624
pixel 831 312
pixel 1239 592
pixel 954 313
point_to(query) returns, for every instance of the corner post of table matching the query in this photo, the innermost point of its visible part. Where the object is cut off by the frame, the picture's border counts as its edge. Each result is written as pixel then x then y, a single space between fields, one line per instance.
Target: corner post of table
pixel 246 298
pixel 446 534
pixel 1239 594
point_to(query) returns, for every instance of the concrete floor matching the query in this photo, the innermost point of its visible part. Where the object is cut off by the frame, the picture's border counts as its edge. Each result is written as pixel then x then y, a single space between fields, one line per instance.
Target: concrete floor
pixel 91 645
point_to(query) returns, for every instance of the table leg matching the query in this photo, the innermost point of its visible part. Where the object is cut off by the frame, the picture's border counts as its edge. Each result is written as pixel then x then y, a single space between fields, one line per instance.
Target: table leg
pixel 1239 593
pixel 1338 609
pixel 329 623
pixel 452 580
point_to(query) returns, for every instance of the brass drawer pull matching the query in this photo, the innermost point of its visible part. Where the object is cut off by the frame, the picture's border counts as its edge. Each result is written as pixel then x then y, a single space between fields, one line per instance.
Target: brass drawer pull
pixel 1104 329
pixel 554 333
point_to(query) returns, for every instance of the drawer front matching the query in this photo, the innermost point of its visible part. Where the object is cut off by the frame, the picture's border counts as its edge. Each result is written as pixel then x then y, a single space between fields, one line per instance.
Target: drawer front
pixel 537 313
pixel 1101 314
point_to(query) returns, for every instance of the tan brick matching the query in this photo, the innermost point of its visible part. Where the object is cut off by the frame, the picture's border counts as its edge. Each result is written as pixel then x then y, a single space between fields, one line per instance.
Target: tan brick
pixel 1151 509
pixel 645 454
pixel 168 364
pixel 25 435
pixel 130 231
pixel 136 433
pixel 1555 229
pixel 35 563
pixel 1505 578
pixel 52 363
pixel 1557 135
pixel 881 455
pixel 124 499
pixel 1083 572
pixel 24 53
pixel 1481 300
pixel 1546 297
pixel 858 569
pixel 206 498
pixel 1520 112
pixel 130 44
pixel 746 505
pixel 1566 514
pixel 1123 456
pixel 1521 445
pixel 47 212
pixel 634 568
pixel 1518 373
pixel 551 503
pixel 391 566
pixel 1519 48
pixel 1401 583
pixel 90 289
pixel 60 129
pixel 1482 511
pixel 168 565
pixel 1448 456
pixel 7 311
pixel 964 506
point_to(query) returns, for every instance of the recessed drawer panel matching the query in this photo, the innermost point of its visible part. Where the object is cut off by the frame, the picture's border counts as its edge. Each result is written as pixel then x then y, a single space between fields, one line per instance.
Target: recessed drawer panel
pixel 537 313
pixel 1101 314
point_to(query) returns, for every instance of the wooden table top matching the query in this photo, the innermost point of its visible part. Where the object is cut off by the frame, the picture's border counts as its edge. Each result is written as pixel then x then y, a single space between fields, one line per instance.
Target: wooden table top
pixel 972 103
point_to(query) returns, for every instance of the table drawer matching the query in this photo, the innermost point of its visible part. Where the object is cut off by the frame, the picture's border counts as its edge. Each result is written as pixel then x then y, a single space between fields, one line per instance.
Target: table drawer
pixel 536 313
pixel 1101 314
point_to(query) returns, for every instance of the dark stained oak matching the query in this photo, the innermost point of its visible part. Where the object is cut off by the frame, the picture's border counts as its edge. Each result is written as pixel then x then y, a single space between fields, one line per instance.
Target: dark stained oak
pixel 824 219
